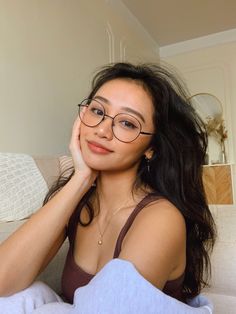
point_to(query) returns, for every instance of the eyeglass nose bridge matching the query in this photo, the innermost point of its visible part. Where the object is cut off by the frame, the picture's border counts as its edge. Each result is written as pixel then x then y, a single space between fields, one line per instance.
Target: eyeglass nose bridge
pixel 106 115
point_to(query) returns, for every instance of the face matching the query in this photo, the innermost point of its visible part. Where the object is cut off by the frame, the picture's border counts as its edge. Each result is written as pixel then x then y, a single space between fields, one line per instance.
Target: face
pixel 100 148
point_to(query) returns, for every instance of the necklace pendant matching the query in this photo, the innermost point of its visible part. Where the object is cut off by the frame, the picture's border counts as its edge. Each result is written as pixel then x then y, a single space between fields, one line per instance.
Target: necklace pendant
pixel 100 242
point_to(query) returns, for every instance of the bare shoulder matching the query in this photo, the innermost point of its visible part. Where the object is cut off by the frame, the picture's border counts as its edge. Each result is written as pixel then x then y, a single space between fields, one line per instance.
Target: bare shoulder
pixel 161 215
pixel 159 218
pixel 156 242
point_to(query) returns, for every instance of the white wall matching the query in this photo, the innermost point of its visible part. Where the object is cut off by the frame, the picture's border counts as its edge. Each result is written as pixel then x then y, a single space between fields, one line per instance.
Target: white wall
pixel 212 70
pixel 49 50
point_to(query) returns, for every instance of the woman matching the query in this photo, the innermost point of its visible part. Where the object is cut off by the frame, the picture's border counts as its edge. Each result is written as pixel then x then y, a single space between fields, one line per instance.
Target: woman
pixel 135 192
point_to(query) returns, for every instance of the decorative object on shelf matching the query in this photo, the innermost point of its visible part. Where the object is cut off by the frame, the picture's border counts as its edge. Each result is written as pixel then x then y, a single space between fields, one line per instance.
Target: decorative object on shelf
pixel 209 108
pixel 216 128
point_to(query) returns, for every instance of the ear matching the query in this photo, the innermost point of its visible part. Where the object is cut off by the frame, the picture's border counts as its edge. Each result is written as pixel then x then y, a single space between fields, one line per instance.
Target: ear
pixel 149 153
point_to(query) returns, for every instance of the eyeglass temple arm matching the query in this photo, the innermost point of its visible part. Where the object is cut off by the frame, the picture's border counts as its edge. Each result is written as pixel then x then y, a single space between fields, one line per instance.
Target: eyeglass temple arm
pixel 146 133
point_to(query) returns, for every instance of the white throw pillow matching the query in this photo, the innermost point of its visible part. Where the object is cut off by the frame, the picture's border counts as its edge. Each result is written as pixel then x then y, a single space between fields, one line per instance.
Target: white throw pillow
pixel 22 186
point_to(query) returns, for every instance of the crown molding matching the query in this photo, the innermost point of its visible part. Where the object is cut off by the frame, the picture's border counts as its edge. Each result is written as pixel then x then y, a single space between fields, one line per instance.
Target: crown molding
pixel 198 43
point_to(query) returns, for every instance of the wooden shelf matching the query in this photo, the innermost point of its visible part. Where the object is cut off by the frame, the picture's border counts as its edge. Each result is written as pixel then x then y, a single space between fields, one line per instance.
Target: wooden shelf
pixel 217 180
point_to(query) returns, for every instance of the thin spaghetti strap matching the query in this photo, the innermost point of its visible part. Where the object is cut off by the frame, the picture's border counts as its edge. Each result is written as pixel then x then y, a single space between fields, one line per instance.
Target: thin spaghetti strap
pixel 146 200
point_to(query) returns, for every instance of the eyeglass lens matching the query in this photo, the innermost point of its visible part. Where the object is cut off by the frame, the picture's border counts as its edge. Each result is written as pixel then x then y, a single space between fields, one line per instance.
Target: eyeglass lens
pixel 126 128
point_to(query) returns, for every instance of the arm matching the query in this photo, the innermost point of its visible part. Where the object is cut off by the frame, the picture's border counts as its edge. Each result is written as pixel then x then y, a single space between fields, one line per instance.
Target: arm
pixel 33 245
pixel 156 243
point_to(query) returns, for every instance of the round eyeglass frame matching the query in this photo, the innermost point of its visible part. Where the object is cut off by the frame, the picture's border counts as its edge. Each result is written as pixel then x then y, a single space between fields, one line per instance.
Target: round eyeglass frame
pixel 86 102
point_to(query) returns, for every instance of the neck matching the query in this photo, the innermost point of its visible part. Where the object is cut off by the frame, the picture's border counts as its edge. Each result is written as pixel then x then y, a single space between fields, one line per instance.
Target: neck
pixel 115 190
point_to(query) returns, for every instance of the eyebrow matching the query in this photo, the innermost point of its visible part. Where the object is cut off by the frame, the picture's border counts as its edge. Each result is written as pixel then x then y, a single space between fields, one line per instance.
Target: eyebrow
pixel 128 109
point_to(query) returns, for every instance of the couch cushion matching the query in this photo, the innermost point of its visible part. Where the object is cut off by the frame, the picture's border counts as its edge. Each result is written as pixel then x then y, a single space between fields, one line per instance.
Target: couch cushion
pixel 223 258
pixel 223 304
pixel 22 186
pixel 222 290
pixel 49 167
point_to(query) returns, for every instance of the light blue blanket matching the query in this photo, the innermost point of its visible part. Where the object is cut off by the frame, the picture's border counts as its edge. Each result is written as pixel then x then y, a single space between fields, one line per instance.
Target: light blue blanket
pixel 117 289
pixel 120 289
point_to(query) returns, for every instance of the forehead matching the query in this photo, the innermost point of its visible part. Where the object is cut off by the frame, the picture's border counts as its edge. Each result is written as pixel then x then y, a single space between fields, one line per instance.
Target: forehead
pixel 127 93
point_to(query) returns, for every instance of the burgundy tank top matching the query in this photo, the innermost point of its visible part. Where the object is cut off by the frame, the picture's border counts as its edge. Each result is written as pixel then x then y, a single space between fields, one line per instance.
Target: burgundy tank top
pixel 74 277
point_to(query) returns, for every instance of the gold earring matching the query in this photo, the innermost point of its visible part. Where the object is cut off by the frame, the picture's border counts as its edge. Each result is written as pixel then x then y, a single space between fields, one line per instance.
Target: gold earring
pixel 148 163
pixel 149 154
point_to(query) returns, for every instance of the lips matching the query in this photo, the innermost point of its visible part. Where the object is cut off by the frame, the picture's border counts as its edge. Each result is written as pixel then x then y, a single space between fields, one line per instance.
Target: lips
pixel 98 148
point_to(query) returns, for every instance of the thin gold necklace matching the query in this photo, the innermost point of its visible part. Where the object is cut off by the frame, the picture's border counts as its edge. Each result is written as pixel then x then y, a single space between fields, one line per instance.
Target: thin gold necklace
pixel 101 233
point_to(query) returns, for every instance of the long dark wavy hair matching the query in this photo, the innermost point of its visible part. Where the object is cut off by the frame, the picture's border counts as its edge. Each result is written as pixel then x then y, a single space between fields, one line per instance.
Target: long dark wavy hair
pixel 179 146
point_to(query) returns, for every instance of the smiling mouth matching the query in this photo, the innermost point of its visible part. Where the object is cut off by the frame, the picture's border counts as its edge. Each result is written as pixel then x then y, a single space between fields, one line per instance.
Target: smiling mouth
pixel 98 149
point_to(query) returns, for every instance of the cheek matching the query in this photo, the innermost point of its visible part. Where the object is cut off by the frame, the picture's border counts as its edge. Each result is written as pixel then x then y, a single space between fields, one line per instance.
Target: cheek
pixel 84 131
pixel 132 154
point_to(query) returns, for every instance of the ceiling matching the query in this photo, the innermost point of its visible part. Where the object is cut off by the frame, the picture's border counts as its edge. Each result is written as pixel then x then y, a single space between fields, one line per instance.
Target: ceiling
pixel 172 21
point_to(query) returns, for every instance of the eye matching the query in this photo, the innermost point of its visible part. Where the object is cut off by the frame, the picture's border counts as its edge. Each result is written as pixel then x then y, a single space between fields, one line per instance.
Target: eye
pixel 128 124
pixel 96 109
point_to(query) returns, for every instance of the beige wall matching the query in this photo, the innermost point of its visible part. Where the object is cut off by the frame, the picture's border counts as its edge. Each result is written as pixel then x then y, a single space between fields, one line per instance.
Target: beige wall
pixel 213 70
pixel 49 50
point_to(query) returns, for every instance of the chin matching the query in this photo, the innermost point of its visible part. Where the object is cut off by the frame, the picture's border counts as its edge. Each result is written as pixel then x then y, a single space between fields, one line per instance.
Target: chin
pixel 107 166
pixel 101 164
pixel 95 163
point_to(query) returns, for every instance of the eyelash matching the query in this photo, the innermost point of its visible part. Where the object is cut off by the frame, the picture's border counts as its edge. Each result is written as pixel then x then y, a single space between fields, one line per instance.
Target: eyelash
pixel 93 110
pixel 129 126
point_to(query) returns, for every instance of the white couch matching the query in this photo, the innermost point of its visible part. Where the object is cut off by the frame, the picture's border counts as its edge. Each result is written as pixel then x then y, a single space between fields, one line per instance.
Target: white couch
pixel 49 169
pixel 223 283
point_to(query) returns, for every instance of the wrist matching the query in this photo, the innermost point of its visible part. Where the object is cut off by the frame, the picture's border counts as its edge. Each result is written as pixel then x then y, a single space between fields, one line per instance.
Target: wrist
pixel 83 179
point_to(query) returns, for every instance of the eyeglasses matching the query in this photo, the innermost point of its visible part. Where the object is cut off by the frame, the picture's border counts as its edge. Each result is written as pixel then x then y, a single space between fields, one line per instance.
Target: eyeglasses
pixel 125 127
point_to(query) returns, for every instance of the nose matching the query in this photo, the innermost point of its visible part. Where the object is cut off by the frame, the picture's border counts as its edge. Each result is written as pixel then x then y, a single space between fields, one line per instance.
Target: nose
pixel 104 129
